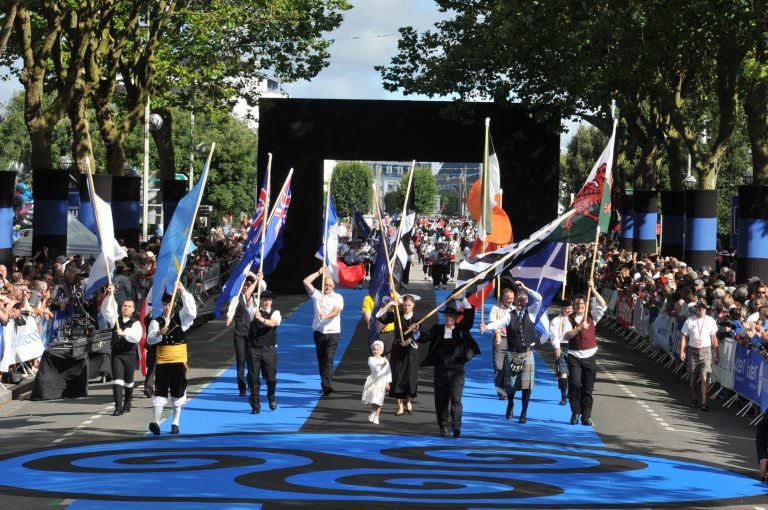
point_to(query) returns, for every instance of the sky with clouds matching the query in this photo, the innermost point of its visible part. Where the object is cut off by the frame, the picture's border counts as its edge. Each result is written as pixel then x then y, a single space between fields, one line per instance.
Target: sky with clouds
pixel 367 37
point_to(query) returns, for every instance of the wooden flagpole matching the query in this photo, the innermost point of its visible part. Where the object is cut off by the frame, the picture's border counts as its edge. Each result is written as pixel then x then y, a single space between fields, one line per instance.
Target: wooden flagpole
pixel 518 249
pixel 264 225
pixel 189 233
pixel 485 176
pixel 325 241
pixel 92 190
pixel 565 270
pixel 402 216
pixel 268 220
pixel 386 254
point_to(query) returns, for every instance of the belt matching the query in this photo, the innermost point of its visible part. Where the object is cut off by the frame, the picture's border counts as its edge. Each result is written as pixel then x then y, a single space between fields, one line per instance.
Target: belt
pixel 699 348
pixel 264 346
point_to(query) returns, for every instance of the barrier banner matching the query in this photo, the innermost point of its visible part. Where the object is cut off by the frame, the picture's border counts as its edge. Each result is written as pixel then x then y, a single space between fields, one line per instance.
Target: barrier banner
pixel 624 307
pixel 724 370
pixel 641 319
pixel 211 276
pixel 24 344
pixel 661 332
pixel 748 373
pixel 674 341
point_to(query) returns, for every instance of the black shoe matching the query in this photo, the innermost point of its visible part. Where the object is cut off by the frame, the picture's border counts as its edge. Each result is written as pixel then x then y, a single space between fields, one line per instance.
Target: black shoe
pixel 704 407
pixel 118 411
pixel 154 428
pixel 327 391
pixel 694 403
pixel 174 429
pixel 523 418
pixel 574 418
pixel 445 432
pixel 586 421
pixel 272 404
pixel 456 433
pixel 510 409
pixel 149 392
pixel 563 401
pixel 502 397
pixel 241 388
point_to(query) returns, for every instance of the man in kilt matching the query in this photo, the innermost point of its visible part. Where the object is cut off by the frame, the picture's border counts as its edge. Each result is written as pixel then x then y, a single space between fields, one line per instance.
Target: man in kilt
pixel 557 327
pixel 520 323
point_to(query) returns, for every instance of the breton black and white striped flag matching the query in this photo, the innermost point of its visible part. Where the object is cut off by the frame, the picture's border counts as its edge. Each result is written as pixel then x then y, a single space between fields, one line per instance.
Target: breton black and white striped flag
pixel 402 251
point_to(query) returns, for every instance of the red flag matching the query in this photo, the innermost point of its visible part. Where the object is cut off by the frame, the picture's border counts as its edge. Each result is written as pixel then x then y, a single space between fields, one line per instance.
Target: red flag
pixel 350 276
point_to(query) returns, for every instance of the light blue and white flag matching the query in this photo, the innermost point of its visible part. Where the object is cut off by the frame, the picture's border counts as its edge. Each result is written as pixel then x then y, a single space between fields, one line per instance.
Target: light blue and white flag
pixel 330 245
pixel 111 251
pixel 543 272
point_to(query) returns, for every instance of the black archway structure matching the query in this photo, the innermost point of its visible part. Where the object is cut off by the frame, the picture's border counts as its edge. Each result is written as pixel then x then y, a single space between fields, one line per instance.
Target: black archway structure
pixel 302 133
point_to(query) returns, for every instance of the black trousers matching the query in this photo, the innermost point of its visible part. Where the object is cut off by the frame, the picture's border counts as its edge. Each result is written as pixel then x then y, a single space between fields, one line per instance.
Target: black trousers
pixel 581 382
pixel 123 366
pixel 325 347
pixel 239 343
pixel 171 377
pixel 761 441
pixel 149 380
pixel 448 391
pixel 262 362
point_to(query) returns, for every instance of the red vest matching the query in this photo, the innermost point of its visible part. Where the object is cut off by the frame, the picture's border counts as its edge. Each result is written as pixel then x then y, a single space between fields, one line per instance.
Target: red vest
pixel 586 339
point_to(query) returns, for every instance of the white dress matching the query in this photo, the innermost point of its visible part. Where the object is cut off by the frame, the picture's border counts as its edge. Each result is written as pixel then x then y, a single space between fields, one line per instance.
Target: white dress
pixel 375 388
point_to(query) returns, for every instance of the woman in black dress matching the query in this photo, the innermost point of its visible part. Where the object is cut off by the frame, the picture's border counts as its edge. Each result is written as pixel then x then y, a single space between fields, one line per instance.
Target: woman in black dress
pixel 405 359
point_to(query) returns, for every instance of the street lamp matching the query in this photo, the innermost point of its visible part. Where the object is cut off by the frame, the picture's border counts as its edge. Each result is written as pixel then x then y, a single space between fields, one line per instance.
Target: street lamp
pixel 152 122
pixel 65 162
pixel 689 181
pixel 749 176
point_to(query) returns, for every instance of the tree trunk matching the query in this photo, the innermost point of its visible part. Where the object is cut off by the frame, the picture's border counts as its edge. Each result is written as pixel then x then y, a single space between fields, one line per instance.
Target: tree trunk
pixel 5 32
pixel 164 144
pixel 81 138
pixel 677 160
pixel 756 108
pixel 39 131
pixel 110 135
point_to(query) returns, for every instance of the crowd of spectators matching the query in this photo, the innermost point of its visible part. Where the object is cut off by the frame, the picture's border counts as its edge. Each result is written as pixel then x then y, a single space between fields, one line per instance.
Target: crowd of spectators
pixel 35 287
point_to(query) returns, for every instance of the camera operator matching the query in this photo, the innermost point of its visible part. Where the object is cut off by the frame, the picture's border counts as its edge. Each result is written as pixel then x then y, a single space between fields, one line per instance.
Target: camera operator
pixel 126 333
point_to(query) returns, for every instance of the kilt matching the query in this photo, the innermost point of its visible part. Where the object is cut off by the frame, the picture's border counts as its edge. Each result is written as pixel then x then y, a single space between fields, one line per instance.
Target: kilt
pixel 522 380
pixel 561 362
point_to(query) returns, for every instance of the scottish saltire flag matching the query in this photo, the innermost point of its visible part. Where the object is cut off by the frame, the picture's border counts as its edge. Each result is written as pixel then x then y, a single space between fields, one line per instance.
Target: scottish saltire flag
pixel 543 272
pixel 176 245
pixel 111 251
pixel 490 187
pixel 330 246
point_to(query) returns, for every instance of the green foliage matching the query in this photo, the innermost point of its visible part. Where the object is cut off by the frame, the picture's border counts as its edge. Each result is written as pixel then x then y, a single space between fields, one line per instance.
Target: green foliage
pixel 449 204
pixel 583 150
pixel 352 188
pixel 393 202
pixel 425 189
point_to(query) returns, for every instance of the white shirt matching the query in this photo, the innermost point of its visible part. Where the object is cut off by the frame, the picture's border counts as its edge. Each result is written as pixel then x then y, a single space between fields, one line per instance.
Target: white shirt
pixel 132 333
pixel 329 302
pixel 597 312
pixel 699 331
pixel 532 309
pixel 187 316
pixel 557 328
pixel 497 312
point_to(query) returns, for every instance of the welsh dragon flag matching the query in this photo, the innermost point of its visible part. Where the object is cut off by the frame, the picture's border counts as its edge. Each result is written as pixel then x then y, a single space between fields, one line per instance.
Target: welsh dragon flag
pixel 592 205
pixel 590 210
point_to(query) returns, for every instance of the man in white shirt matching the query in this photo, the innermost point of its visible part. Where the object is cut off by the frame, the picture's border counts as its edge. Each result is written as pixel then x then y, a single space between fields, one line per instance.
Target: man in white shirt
pixel 326 325
pixel 699 333
pixel 557 327
pixel 499 311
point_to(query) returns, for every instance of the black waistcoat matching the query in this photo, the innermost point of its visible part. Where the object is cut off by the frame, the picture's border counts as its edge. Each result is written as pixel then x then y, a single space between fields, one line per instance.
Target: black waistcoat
pixel 521 335
pixel 175 334
pixel 119 344
pixel 260 334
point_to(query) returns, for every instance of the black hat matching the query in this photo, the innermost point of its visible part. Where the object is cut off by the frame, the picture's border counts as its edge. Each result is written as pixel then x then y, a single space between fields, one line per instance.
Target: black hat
pixel 166 297
pixel 450 309
pixel 267 294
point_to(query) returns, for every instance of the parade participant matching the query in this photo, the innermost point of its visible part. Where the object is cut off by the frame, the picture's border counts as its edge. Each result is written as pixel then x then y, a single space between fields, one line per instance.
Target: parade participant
pixel 404 358
pixel 762 449
pixel 450 346
pixel 699 333
pixel 556 327
pixel 243 317
pixel 582 354
pixel 326 326
pixel 497 312
pixel 171 365
pixel 377 383
pixel 126 333
pixel 385 324
pixel 519 367
pixel 261 349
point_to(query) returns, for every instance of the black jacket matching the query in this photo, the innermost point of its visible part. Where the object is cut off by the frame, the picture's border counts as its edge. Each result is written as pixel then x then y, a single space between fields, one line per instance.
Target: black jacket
pixel 450 354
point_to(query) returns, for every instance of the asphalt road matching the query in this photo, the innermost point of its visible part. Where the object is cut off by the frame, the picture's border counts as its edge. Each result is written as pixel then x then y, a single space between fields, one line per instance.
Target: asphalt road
pixel 640 407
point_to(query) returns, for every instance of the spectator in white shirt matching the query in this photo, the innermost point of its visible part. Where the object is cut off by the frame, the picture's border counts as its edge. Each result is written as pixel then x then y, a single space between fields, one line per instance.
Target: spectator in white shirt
pixel 699 333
